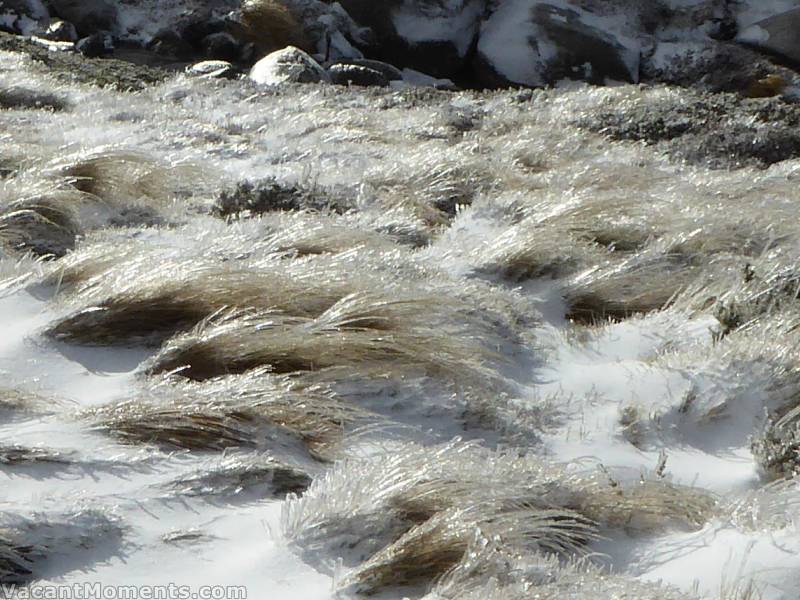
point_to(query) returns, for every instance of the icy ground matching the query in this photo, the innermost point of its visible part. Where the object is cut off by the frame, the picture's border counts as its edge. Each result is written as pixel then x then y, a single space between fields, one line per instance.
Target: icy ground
pixel 538 254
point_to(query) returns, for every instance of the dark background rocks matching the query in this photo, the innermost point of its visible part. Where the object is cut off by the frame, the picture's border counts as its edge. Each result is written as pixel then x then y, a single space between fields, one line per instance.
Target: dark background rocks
pixel 695 44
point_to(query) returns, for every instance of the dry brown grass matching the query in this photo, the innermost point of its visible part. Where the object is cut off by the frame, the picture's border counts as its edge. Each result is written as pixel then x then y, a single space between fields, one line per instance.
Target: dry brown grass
pixel 359 330
pixel 236 476
pixel 270 25
pixel 637 285
pixel 430 550
pixel 250 411
pixel 152 305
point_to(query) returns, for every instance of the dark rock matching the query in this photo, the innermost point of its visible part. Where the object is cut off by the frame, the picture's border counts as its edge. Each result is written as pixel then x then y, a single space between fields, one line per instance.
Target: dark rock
pixel 290 65
pixel 390 72
pixel 715 130
pixel 199 26
pixel 97 45
pixel 356 75
pixel 579 44
pixel 708 65
pixel 222 46
pixel 778 35
pixel 441 47
pixel 168 43
pixel 61 31
pixel 88 16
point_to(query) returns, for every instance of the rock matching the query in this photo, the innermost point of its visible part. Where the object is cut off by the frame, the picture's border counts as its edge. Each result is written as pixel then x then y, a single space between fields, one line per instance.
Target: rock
pixel 290 65
pixel 390 72
pixel 88 16
pixel 213 69
pixel 24 17
pixel 168 43
pixel 535 43
pixel 199 25
pixel 61 31
pixel 97 45
pixel 328 29
pixel 270 25
pixel 778 35
pixel 221 46
pixel 434 37
pixel 708 65
pixel 344 74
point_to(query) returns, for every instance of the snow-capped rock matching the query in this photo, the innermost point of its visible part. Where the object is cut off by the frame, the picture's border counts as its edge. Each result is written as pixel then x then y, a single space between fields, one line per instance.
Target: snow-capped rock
pixel 434 37
pixel 533 42
pixel 61 31
pixel 330 29
pixel 778 34
pixel 290 65
pixel 88 16
pixel 212 69
pixel 25 17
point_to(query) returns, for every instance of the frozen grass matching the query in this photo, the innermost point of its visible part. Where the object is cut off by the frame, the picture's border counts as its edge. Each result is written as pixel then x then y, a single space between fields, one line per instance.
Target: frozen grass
pixel 251 411
pixel 28 543
pixel 413 513
pixel 156 303
pixel 412 252
pixel 240 477
pixel 361 329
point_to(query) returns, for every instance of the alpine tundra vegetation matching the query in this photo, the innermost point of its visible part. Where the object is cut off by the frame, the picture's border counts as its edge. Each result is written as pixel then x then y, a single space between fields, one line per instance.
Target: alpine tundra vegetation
pixel 439 300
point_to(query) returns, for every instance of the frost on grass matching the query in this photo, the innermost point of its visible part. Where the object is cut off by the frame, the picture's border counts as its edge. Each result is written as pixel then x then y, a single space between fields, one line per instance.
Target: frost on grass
pixel 239 477
pixel 155 304
pixel 360 329
pixel 412 514
pixel 248 199
pixel 491 572
pixel 79 193
pixel 253 411
pixel 29 545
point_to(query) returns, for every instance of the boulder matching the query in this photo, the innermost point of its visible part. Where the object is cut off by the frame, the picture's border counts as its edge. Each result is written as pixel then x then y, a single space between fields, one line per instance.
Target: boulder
pixel 61 31
pixel 26 17
pixel 778 35
pixel 711 66
pixel 221 46
pixel 212 69
pixel 390 72
pixel 290 65
pixel 434 37
pixel 328 29
pixel 344 74
pixel 535 43
pixel 168 43
pixel 88 16
pixel 97 45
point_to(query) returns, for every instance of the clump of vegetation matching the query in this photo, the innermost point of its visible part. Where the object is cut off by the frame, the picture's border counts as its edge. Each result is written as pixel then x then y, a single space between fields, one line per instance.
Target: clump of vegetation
pixel 270 195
